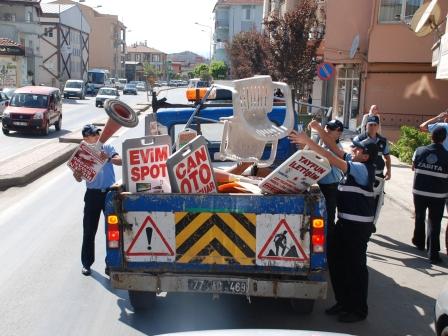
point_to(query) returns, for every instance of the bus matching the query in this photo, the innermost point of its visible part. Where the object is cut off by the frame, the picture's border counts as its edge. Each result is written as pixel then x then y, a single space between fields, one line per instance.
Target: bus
pixel 96 79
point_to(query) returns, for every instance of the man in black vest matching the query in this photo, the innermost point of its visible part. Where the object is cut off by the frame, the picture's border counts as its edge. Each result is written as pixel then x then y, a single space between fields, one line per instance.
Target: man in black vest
pixel 430 191
pixel 354 225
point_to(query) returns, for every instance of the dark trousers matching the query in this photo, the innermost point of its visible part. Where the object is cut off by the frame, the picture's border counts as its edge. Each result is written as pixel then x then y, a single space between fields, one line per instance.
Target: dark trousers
pixel 93 205
pixel 435 207
pixel 351 278
pixel 330 192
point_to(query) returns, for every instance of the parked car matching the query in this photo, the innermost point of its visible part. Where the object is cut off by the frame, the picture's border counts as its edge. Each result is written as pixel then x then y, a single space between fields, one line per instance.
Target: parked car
pixel 130 89
pixel 441 310
pixel 33 108
pixel 105 93
pixel 74 88
pixel 4 102
pixel 141 86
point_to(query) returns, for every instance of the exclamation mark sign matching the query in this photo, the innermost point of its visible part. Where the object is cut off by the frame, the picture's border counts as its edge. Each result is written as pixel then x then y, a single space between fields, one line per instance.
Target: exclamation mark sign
pixel 149 236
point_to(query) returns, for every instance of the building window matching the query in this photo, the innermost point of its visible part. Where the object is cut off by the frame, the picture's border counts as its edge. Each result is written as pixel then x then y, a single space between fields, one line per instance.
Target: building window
pixel 246 13
pixel 397 10
pixel 29 17
pixel 48 32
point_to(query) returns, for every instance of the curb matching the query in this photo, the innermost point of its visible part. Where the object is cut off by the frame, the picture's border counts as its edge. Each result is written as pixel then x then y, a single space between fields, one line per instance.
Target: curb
pixel 38 168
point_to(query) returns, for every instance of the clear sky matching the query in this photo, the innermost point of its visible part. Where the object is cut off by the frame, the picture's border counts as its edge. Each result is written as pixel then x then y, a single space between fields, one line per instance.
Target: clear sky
pixel 167 25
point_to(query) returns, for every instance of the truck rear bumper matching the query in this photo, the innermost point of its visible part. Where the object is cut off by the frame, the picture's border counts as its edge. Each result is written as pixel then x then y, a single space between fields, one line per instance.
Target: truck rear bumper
pixel 219 285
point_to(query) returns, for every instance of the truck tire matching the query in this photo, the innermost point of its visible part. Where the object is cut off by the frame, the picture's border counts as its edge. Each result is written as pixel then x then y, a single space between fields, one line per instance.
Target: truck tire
pixel 5 131
pixel 58 124
pixel 302 306
pixel 141 301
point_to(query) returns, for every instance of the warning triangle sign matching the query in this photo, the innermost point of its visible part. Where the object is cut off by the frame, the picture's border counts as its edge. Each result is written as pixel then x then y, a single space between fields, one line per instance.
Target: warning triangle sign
pixel 149 241
pixel 283 245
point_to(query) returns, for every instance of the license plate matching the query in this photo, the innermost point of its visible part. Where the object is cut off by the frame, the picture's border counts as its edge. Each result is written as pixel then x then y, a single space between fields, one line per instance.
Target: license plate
pixel 218 286
pixel 20 123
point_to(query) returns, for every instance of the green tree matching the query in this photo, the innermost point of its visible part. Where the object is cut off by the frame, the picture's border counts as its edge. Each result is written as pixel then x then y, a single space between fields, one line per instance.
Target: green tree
pixel 293 53
pixel 149 70
pixel 202 71
pixel 249 55
pixel 218 70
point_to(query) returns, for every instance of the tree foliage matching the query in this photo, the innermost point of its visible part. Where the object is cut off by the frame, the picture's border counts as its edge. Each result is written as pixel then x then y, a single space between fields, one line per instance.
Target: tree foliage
pixel 292 52
pixel 410 139
pixel 218 70
pixel 202 71
pixel 248 54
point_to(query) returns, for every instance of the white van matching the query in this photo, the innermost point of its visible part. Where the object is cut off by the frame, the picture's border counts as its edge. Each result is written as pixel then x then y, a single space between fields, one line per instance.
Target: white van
pixel 121 83
pixel 74 88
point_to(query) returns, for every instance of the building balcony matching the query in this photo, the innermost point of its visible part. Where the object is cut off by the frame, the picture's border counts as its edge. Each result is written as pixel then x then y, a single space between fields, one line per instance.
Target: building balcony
pixel 21 26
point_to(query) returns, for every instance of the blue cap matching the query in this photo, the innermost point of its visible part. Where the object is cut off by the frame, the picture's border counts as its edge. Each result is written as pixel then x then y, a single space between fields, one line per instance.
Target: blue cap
pixel 335 125
pixel 368 147
pixel 90 129
pixel 373 119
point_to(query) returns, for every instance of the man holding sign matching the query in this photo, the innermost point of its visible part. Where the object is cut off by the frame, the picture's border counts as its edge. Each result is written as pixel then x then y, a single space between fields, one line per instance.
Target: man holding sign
pixel 95 194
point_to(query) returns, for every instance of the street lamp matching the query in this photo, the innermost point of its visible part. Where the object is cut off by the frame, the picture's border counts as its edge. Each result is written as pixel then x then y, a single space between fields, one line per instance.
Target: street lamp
pixel 211 37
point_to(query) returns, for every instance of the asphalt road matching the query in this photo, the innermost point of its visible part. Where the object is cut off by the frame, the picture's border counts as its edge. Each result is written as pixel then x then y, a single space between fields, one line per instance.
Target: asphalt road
pixel 75 112
pixel 43 292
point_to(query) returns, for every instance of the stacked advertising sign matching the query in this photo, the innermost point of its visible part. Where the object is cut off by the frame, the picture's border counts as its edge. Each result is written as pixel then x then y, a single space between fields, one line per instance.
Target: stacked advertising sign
pixel 144 164
pixel 87 160
pixel 190 168
pixel 296 174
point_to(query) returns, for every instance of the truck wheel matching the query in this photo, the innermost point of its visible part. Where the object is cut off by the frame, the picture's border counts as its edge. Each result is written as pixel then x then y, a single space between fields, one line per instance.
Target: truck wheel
pixel 141 301
pixel 5 131
pixel 58 124
pixel 302 306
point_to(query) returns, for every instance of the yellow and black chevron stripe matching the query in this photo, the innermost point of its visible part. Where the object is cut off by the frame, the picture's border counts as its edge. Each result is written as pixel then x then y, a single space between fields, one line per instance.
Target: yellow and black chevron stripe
pixel 215 238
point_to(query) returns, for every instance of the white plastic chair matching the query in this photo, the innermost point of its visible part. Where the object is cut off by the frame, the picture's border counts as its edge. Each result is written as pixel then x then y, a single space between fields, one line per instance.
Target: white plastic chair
pixel 249 130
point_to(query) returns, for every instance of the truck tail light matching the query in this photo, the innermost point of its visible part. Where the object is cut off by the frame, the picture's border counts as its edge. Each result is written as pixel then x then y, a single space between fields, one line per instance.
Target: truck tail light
pixel 318 235
pixel 113 232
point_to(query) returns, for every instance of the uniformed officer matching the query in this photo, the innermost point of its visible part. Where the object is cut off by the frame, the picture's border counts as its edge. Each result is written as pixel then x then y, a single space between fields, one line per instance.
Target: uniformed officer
pixel 329 186
pixel 372 126
pixel 354 225
pixel 430 190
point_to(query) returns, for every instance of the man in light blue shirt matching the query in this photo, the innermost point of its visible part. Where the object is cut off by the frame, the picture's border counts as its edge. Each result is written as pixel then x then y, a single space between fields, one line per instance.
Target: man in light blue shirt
pixel 95 195
pixel 431 124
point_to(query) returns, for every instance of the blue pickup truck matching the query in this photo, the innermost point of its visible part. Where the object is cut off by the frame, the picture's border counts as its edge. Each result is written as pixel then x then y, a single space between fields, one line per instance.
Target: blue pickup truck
pixel 235 244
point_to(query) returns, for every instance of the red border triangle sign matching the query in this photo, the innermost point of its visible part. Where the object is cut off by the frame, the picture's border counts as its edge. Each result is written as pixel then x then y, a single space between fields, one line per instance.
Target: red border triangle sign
pixel 152 243
pixel 280 249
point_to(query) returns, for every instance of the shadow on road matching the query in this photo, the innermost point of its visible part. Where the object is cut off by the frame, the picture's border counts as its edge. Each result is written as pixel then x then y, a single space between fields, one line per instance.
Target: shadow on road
pixel 34 135
pixel 392 304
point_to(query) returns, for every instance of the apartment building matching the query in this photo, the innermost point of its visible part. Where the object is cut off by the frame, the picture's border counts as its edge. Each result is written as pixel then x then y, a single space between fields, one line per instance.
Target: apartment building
pixel 107 40
pixel 233 17
pixel 141 53
pixel 20 55
pixel 64 44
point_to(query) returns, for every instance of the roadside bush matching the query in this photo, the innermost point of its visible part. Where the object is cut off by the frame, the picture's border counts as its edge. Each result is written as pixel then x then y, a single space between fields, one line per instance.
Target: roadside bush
pixel 410 139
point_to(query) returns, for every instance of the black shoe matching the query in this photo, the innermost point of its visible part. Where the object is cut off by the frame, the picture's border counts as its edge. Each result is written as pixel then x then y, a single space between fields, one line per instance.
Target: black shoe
pixel 334 310
pixel 107 271
pixel 436 260
pixel 351 317
pixel 419 247
pixel 86 271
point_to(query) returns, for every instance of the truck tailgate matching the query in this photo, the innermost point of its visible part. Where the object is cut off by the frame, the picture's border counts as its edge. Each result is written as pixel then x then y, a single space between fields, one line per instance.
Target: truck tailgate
pixel 222 233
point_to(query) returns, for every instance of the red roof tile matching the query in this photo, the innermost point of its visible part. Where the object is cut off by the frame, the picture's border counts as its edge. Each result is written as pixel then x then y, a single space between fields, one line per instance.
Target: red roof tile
pixel 9 43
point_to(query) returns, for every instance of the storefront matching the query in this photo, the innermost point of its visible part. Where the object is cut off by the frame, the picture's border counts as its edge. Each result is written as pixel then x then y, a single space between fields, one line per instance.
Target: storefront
pixel 11 63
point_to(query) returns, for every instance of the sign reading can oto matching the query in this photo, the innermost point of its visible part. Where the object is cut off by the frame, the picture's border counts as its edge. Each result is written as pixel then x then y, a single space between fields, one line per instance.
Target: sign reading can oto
pixel 147 166
pixel 191 170
pixel 87 160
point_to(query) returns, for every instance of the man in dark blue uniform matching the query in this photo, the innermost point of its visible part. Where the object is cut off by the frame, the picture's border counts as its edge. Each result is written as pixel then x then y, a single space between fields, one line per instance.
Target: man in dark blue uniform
pixel 430 191
pixel 354 226
pixel 95 196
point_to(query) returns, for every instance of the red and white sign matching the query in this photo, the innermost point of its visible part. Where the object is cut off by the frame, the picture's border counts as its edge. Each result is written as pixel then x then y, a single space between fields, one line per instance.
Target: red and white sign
pixel 147 169
pixel 280 241
pixel 194 174
pixel 152 237
pixel 296 174
pixel 87 160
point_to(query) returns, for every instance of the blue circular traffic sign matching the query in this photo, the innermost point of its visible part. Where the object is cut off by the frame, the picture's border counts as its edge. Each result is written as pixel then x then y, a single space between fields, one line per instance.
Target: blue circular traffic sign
pixel 325 71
